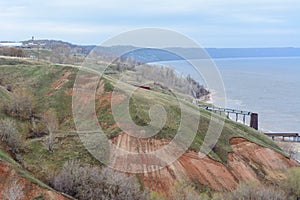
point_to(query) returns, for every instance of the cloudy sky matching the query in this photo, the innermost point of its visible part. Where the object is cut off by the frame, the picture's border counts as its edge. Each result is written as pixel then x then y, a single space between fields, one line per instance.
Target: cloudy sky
pixel 212 23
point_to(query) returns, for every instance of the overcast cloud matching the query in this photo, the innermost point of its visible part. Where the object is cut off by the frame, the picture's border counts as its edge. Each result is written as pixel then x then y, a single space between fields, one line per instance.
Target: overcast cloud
pixel 212 23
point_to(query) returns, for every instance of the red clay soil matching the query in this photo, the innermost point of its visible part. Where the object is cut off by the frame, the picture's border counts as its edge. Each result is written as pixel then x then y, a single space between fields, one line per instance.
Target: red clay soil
pixel 30 190
pixel 62 80
pixel 247 162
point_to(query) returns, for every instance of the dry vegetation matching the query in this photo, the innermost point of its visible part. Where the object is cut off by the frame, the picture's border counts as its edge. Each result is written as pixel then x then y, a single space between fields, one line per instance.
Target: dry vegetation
pixel 9 134
pixel 11 51
pixel 21 105
pixel 14 191
pixel 87 182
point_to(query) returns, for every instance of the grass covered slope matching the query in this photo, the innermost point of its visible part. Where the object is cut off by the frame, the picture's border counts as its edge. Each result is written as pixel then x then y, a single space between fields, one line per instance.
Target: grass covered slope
pixel 16 182
pixel 50 88
pixel 5 157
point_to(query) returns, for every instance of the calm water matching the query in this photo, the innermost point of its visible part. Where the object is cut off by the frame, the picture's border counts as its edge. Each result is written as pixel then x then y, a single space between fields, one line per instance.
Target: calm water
pixel 268 86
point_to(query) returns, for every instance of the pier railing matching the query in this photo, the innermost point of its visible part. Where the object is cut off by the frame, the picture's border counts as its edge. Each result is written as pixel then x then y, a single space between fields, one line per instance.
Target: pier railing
pixel 253 122
pixel 295 137
pixel 238 113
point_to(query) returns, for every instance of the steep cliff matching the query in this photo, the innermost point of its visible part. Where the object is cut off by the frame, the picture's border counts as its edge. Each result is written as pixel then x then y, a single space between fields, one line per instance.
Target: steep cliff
pixel 246 162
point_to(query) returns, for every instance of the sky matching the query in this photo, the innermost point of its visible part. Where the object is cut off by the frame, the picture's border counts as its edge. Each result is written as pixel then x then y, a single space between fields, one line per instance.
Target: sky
pixel 211 23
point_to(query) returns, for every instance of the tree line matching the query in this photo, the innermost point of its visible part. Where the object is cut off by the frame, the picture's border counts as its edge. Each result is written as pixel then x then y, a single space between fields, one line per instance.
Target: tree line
pixel 11 51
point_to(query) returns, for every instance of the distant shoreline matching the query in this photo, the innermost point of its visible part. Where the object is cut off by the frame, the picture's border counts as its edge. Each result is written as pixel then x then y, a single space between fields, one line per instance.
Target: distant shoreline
pixel 248 58
pixel 168 53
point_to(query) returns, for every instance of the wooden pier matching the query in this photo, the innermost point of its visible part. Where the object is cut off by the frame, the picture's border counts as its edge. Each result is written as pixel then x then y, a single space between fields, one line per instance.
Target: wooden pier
pixel 238 113
pixel 253 122
pixel 295 137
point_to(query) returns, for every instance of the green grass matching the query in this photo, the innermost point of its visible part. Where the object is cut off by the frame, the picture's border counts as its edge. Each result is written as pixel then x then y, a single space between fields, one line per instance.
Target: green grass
pixel 4 156
pixel 7 158
pixel 108 86
pixel 4 97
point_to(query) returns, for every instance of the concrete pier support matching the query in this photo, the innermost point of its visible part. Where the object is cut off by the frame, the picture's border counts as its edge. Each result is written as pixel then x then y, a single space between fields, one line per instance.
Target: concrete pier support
pixel 254 120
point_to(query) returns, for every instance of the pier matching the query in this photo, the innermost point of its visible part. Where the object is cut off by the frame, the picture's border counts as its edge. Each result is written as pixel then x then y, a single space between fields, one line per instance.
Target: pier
pixel 239 114
pixel 253 121
pixel 291 137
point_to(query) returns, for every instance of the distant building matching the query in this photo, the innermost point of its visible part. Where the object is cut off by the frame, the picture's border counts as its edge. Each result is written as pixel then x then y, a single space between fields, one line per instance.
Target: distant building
pixel 32 57
pixel 11 44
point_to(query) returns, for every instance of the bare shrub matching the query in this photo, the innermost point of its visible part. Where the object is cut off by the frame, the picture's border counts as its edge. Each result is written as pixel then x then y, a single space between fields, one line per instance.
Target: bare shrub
pixel 115 185
pixel 38 128
pixel 50 142
pixel 292 184
pixel 10 135
pixel 168 77
pixel 86 182
pixel 60 54
pixel 21 105
pixel 183 190
pixel 156 196
pixel 11 51
pixel 253 191
pixel 69 179
pixel 14 191
pixel 51 123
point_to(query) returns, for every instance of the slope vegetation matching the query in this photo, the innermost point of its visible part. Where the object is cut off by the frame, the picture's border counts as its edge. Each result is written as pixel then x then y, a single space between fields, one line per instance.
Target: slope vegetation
pixel 241 153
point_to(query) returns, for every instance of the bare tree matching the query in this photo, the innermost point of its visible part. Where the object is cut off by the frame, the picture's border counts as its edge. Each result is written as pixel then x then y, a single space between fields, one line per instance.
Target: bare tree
pixel 50 142
pixel 11 51
pixel 256 191
pixel 60 54
pixel 10 135
pixel 14 191
pixel 115 185
pixel 51 122
pixel 22 104
pixel 167 77
pixel 87 182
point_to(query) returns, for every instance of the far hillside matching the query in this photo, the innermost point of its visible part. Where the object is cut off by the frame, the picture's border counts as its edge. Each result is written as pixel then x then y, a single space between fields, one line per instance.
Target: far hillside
pixel 65 52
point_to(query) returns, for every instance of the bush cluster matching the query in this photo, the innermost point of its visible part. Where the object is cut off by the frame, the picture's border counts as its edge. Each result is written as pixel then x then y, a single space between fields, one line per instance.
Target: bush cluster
pixel 87 182
pixel 10 135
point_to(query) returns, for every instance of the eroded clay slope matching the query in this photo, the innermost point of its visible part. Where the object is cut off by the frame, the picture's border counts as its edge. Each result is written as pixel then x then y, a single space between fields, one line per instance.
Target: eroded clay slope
pixel 29 190
pixel 247 162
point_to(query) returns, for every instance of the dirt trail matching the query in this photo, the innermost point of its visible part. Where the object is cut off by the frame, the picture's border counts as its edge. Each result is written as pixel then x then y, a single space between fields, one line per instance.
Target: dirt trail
pixel 62 80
